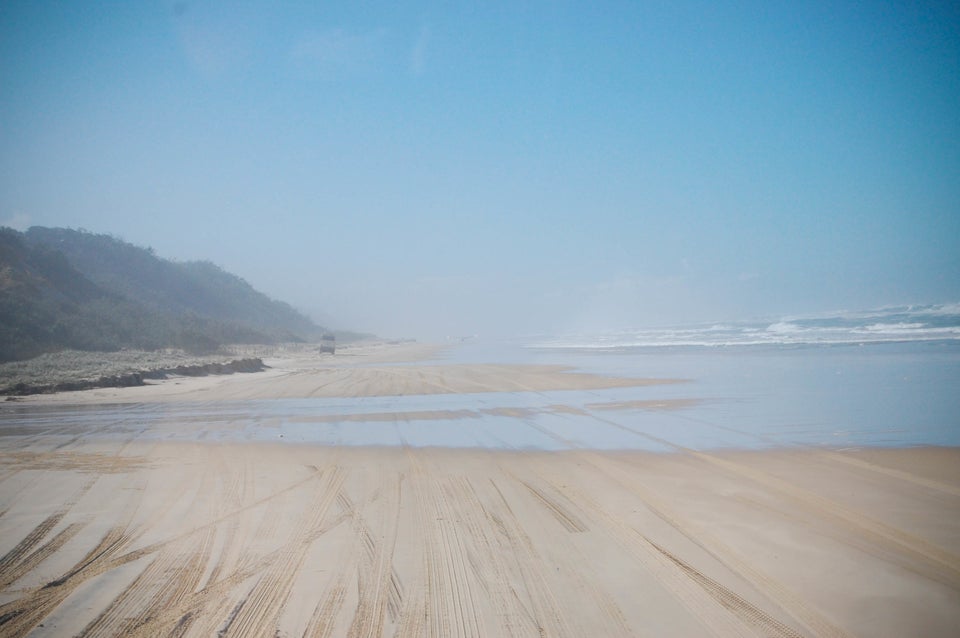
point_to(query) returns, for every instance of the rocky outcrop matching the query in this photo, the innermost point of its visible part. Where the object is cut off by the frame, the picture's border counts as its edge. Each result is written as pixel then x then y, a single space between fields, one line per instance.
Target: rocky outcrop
pixel 241 365
pixel 132 379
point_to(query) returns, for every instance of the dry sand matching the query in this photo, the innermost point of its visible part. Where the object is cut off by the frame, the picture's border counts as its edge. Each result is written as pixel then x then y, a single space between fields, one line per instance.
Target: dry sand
pixel 138 538
pixel 362 370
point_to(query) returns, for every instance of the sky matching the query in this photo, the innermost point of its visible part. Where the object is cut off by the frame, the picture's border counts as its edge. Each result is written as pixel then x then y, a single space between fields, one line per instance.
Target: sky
pixel 442 169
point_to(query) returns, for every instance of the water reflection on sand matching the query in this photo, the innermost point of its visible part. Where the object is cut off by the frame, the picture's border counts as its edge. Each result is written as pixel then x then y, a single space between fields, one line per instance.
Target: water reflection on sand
pixel 881 396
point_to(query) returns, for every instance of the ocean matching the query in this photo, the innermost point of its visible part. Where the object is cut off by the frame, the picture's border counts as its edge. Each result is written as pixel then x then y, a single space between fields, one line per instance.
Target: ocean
pixel 895 324
pixel 883 377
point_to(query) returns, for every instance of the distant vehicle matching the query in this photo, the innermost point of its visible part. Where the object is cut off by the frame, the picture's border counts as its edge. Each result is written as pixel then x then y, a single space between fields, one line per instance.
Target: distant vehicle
pixel 328 343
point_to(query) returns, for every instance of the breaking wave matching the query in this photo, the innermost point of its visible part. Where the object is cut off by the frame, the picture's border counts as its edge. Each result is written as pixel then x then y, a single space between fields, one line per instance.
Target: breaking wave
pixel 884 325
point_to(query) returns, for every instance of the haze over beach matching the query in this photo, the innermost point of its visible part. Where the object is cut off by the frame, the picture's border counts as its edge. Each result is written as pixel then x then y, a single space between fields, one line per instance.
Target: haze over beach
pixel 426 171
pixel 667 301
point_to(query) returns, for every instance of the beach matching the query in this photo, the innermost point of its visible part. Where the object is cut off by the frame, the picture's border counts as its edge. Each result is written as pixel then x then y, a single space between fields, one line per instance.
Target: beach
pixel 400 490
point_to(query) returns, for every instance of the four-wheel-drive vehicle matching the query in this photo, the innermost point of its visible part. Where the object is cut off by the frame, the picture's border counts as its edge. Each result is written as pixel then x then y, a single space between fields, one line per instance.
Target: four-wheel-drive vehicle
pixel 328 343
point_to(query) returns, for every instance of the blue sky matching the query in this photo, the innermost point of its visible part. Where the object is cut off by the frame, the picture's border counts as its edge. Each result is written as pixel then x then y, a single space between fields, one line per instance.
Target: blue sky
pixel 417 169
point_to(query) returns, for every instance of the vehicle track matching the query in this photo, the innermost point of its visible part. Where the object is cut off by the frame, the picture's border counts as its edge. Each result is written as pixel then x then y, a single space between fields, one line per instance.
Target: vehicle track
pixel 491 559
pixel 440 595
pixel 20 565
pixel 546 611
pixel 235 488
pixel 791 603
pixel 899 474
pixel 36 535
pixel 175 570
pixel 20 550
pixel 419 605
pixel 533 608
pixel 571 522
pixel 263 606
pixel 765 624
pixel 172 574
pixel 323 619
pixel 455 585
pixel 715 618
pixel 945 564
pixel 488 561
pixel 19 616
pixel 380 589
pixel 612 619
pixel 22 558
pixel 203 604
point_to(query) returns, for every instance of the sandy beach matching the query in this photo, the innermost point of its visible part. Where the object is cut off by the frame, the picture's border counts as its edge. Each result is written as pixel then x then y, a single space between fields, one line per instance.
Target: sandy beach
pixel 113 532
pixel 361 370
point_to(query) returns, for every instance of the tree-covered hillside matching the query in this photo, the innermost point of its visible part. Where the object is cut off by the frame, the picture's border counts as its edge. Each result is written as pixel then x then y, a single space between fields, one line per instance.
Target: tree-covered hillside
pixel 62 288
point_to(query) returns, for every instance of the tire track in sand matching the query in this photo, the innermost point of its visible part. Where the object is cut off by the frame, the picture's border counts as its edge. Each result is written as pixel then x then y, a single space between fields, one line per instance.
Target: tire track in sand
pixel 940 565
pixel 521 579
pixel 380 589
pixel 485 542
pixel 259 612
pixel 945 566
pixel 571 560
pixel 235 488
pixel 16 562
pixel 417 602
pixel 170 576
pixel 716 618
pixel 571 522
pixel 899 474
pixel 447 605
pixel 787 600
pixel 449 573
pixel 711 617
pixel 324 617
pixel 17 565
pixel 18 616
pixel 214 597
pixel 322 621
pixel 546 611
pixel 174 572
pixel 765 624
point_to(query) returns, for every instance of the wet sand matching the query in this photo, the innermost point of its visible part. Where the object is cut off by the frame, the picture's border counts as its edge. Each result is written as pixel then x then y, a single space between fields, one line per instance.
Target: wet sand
pixel 122 535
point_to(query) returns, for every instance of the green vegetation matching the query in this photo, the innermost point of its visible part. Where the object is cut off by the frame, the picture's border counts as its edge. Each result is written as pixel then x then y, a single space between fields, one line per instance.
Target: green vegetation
pixel 67 289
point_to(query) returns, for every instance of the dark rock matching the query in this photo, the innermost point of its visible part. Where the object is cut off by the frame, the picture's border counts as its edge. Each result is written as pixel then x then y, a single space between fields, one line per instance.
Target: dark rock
pixel 133 379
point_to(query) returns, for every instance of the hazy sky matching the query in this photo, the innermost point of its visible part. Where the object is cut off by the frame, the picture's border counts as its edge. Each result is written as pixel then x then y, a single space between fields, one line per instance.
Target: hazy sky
pixel 420 170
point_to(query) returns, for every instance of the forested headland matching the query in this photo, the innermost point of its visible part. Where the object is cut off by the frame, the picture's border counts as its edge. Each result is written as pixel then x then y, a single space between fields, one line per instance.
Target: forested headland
pixel 71 289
